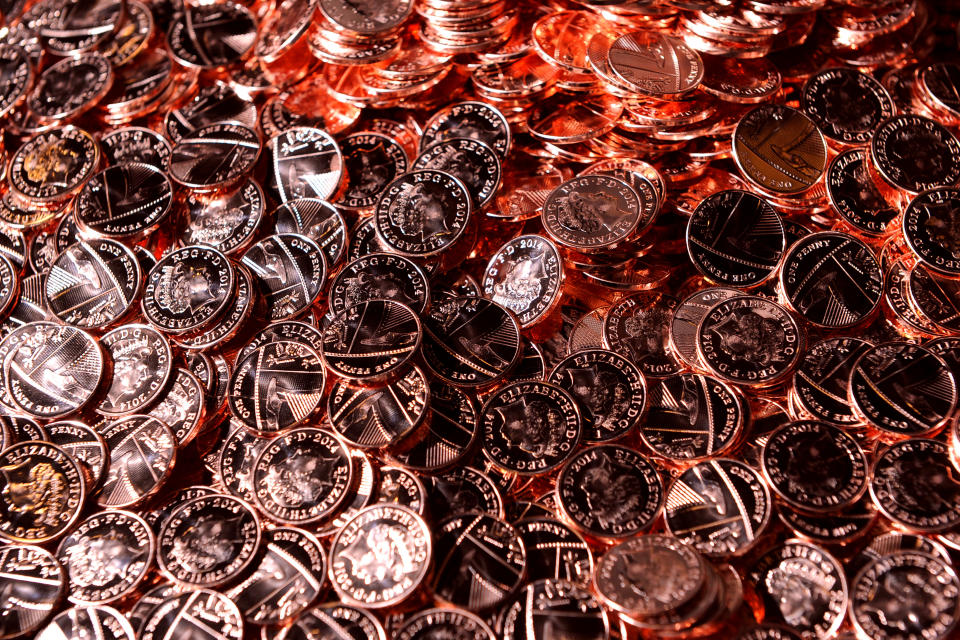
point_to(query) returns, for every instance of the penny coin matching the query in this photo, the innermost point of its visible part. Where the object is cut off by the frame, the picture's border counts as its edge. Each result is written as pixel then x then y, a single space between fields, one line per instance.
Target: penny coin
pixel 938 82
pixel 832 279
pixel 187 289
pixel 914 153
pixel 363 493
pixel 213 103
pixel 749 340
pixel 610 392
pixel 630 576
pixel 403 488
pixel 42 490
pixel 372 161
pixel 290 270
pixel 555 551
pixel 199 613
pixel 79 26
pixel 84 445
pixel 69 87
pixel 927 222
pixel 423 212
pixel 142 360
pixel 18 215
pixel 735 238
pixel 471 161
pixel 53 165
pixel 34 583
pixel 227 222
pixel 820 381
pixel 208 541
pixel 927 608
pixel 719 507
pixel 591 212
pixel 212 35
pixel 16 76
pixel 366 18
pixel 638 328
pixel 831 528
pixel 142 454
pixel 88 622
pixel 135 145
pixel 914 484
pixel 814 467
pixel 182 407
pixel 433 623
pixel 902 389
pixel 779 149
pixel 107 557
pixel 654 64
pixel 803 586
pixel 287 580
pixel 136 88
pixel 21 429
pixel 306 163
pixel 609 492
pixel 54 370
pixel 934 296
pixel 741 81
pixel 525 276
pixel 214 156
pixel 286 331
pixel 150 599
pixel 371 341
pixel 133 34
pixel 157 517
pixel 342 621
pixel 464 490
pixel 686 321
pixel 855 196
pixel 302 476
pixel 524 189
pixel 92 284
pixel 317 220
pixel 530 427
pixel 553 605
pixel 380 416
pixel 472 119
pixel 240 451
pixel 380 276
pixel 451 431
pixel 277 386
pixel 847 105
pixel 125 200
pixel 13 245
pixel 480 561
pixel 691 416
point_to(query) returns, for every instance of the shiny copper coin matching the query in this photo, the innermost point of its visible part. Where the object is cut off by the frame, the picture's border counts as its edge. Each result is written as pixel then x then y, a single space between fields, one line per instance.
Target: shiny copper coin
pixel 35 582
pixel 928 224
pixel 939 82
pixel 187 289
pixel 213 103
pixel 302 476
pixel 135 144
pixel 290 270
pixel 741 81
pixel 208 541
pixel 562 120
pixel 526 277
pixel 779 149
pixel 380 276
pixel 686 321
pixel 69 87
pixel 108 556
pixel 90 621
pixel 399 486
pixel 227 222
pixel 277 386
pixel 555 551
pixel 524 189
pixel 452 430
pixel 83 444
pixel 143 451
pixel 820 381
pixel 182 407
pixel 16 76
pixel 306 163
pixel 125 200
pixel 637 328
pixel 81 25
pixel 902 389
pixel 142 360
pixel 476 120
pixel 855 196
pixel 364 491
pixel 372 161
pixel 465 490
pixel 238 454
pixel 53 165
pixel 214 156
pixel 199 613
pixel 640 60
pixel 317 220
pixel 914 153
pixel 591 212
pixel 380 416
pixel 432 622
pixel 471 161
pixel 286 331
pixel 935 296
pixel 209 36
pixel 561 38
pixel 914 484
pixel 749 340
pixel 132 36
pixel 847 105
pixel 371 340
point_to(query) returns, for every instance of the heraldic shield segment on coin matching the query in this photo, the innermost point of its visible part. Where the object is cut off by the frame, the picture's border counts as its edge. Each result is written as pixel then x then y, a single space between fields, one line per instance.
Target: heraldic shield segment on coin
pixel 479 320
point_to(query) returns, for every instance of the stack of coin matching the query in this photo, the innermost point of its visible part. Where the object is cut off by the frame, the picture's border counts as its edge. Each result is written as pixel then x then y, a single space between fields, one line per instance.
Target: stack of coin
pixel 349 33
pixel 465 26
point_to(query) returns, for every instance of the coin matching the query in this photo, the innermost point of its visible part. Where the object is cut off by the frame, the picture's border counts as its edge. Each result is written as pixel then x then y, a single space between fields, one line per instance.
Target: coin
pixel 555 551
pixel 371 341
pixel 380 276
pixel 16 76
pixel 403 488
pixel 353 623
pixel 107 557
pixel 80 26
pixel 591 212
pixel 847 105
pixel 124 200
pixel 779 149
pixel 35 583
pixel 933 153
pixel 92 622
pixel 208 541
pixel 452 430
pixel 286 331
pixel 213 35
pixel 53 165
pixel 735 238
pixel 432 622
pixel 239 453
pixel 422 213
pixel 157 517
pixel 914 484
pixel 854 195
pixel 558 605
pixel 637 328
pixel 215 156
pixel 379 416
pixel 525 276
pixel 463 577
pixel 306 163
pixel 317 220
pixel 201 613
pixel 530 427
pixel 187 289
pixel 142 454
pixel 749 340
pixel 926 222
pixel 741 81
pixel 902 389
pixel 132 36
pixel 372 161
pixel 84 445
pixel 640 60
pixel 287 580
pixel 609 492
pixel 135 145
pixel 290 270
pixel 67 88
pixel 463 490
pixel 41 492
pixel 686 321
pixel 213 103
pixel 803 586
pixel 820 381
pixel 469 160
pixel 471 119
pixel 933 296
pixel 182 407
pixel 928 608
pixel 141 359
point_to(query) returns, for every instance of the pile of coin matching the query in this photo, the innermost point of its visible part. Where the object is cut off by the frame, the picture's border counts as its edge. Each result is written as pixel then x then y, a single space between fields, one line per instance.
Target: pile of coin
pixel 606 319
